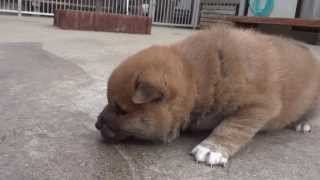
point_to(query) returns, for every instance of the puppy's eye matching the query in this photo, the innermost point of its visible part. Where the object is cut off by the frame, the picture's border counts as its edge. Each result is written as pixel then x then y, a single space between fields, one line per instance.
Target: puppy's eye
pixel 158 99
pixel 119 110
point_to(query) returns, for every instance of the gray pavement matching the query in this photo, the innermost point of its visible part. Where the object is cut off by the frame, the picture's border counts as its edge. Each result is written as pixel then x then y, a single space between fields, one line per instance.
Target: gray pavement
pixel 52 86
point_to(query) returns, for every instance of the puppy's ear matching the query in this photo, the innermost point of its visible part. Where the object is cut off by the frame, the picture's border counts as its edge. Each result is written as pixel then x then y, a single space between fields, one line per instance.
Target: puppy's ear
pixel 145 93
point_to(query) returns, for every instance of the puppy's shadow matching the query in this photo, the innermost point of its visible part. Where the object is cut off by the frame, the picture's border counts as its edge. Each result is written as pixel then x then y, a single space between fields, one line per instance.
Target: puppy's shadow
pixel 129 141
pixel 186 136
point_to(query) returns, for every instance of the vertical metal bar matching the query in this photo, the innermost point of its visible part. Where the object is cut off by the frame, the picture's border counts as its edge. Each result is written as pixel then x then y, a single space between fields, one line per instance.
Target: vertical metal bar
pixel 175 12
pixel 151 10
pixel 157 11
pixel 116 6
pixel 133 7
pixel 112 6
pixel 109 6
pixel 164 10
pixel 160 11
pixel 185 11
pixel 171 6
pixel 120 6
pixel 47 6
pixel 141 8
pixel 123 7
pixel 195 13
pixel 19 7
pixel 138 7
pixel 168 11
pixel 189 16
pixel 25 6
pixel 127 7
pixel 130 5
pixel 180 13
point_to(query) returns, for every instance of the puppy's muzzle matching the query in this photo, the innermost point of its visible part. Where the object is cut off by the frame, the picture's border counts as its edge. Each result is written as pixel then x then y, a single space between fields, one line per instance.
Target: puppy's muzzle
pixel 108 129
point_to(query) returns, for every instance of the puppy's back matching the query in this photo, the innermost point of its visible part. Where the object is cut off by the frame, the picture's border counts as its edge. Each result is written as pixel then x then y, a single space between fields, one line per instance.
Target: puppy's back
pixel 256 62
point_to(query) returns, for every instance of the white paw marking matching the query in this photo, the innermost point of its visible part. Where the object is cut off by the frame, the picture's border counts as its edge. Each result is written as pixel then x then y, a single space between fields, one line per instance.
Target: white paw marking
pixel 203 154
pixel 303 127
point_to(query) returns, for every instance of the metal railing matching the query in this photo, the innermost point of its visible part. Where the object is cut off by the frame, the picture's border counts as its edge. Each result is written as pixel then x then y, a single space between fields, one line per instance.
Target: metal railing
pixel 163 12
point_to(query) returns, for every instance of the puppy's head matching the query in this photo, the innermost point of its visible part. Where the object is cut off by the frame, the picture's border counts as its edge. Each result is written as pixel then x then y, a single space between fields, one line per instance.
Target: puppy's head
pixel 148 97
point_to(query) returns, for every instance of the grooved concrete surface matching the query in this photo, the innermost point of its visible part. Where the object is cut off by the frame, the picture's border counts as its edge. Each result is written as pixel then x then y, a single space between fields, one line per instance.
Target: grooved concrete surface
pixel 52 86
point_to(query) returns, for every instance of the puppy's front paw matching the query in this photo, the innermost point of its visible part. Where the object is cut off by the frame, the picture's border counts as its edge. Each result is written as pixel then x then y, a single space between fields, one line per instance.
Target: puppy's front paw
pixel 211 158
pixel 303 127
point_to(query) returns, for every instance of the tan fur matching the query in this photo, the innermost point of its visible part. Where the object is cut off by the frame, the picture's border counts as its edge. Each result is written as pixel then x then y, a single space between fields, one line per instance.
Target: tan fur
pixel 233 81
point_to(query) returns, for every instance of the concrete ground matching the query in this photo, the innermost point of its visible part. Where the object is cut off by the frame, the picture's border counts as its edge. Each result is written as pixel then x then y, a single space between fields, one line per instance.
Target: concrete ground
pixel 52 86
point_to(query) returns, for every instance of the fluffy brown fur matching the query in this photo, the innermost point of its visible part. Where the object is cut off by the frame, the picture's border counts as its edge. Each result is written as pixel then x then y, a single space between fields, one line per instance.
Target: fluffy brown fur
pixel 232 81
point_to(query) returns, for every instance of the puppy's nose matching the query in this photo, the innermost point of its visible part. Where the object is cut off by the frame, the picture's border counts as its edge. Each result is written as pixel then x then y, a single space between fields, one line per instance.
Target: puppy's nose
pixel 100 122
pixel 103 118
pixel 98 125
